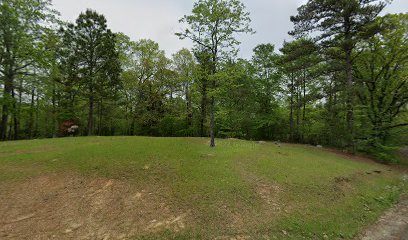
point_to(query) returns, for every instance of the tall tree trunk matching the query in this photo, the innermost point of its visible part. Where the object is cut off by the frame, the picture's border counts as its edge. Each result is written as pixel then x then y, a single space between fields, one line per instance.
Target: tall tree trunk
pixel 15 116
pixel 349 103
pixel 10 131
pixel 31 118
pixel 4 121
pixel 298 107
pixel 37 115
pixel 213 86
pixel 304 100
pixel 91 114
pixel 203 108
pixel 100 119
pixel 348 48
pixel 212 123
pixel 291 121
pixel 8 88
pixel 54 111
pixel 304 107
pixel 189 104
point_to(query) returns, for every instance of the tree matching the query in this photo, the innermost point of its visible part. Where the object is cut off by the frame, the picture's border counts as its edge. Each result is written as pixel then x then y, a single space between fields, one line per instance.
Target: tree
pixel 266 73
pixel 339 24
pixel 184 64
pixel 21 31
pixel 382 79
pixel 97 59
pixel 238 107
pixel 202 73
pixel 144 85
pixel 267 78
pixel 300 63
pixel 212 27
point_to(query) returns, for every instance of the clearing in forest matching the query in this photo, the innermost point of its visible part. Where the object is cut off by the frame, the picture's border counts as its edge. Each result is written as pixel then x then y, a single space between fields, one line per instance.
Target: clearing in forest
pixel 179 188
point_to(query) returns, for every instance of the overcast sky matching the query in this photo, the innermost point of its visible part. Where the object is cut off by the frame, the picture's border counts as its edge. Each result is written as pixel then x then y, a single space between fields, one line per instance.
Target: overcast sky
pixel 158 19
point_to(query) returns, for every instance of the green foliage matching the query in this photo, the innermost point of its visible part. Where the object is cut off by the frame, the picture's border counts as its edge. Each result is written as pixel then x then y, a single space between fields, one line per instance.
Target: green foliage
pixel 212 27
pixel 214 23
pixel 339 83
pixel 338 26
pixel 92 51
pixel 22 34
pixel 385 154
pixel 342 20
pixel 381 71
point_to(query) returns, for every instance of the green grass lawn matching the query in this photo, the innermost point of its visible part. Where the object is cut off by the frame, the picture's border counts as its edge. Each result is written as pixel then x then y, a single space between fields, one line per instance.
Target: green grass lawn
pixel 239 188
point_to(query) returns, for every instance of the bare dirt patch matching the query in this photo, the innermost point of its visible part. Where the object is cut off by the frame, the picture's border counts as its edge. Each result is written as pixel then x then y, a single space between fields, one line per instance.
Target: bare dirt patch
pixel 343 185
pixel 270 194
pixel 69 206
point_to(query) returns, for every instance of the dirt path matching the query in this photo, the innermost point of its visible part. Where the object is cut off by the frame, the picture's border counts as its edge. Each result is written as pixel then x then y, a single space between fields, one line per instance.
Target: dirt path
pixel 393 225
pixel 68 206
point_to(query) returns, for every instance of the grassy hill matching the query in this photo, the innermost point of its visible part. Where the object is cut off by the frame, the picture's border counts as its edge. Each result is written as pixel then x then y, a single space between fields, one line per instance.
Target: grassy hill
pixel 179 188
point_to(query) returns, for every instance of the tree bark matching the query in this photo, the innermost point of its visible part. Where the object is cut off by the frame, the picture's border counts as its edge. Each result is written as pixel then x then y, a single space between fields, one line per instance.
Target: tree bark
pixel 349 101
pixel 10 131
pixel 54 111
pixel 298 109
pixel 291 121
pixel 189 104
pixel 348 48
pixel 100 118
pixel 91 115
pixel 31 119
pixel 8 88
pixel 15 116
pixel 304 95
pixel 37 116
pixel 213 86
pixel 203 108
pixel 212 123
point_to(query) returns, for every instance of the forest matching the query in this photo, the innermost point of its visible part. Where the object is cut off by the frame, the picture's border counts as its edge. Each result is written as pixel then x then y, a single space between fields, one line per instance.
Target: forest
pixel 342 81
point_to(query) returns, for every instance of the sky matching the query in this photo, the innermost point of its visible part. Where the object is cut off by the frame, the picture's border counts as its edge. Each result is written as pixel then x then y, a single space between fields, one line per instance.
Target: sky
pixel 158 19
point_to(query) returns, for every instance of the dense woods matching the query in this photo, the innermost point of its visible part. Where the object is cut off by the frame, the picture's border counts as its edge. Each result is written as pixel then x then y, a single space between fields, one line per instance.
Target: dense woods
pixel 341 82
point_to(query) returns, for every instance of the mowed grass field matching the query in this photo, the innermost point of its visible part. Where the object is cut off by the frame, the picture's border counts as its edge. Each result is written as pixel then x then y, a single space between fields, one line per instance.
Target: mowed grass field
pixel 179 188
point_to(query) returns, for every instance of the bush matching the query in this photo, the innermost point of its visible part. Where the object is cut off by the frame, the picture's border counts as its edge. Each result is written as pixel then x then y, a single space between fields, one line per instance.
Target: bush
pixel 382 153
